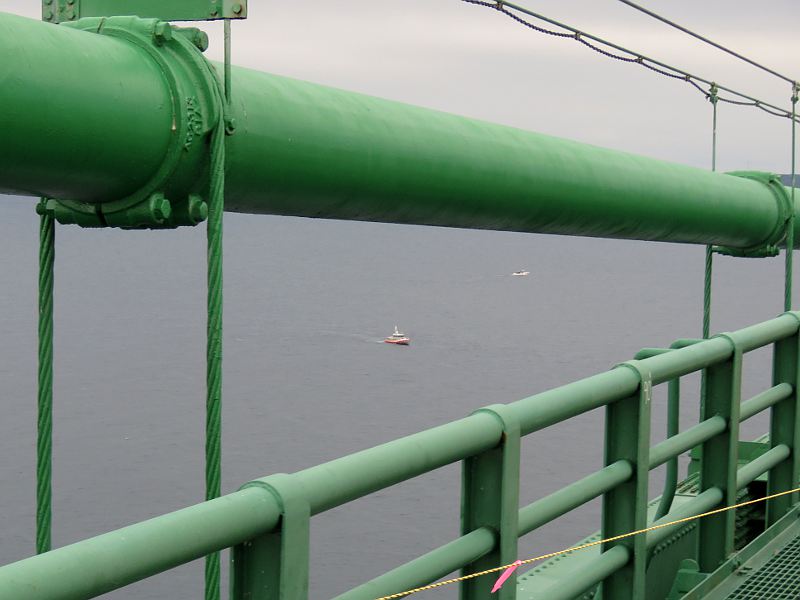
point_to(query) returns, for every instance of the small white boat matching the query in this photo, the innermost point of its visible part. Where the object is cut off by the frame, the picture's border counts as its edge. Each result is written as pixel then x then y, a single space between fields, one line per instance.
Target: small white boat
pixel 520 273
pixel 401 339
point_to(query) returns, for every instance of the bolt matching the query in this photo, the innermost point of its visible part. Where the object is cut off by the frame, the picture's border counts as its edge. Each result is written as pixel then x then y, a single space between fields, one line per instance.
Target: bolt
pixel 198 210
pixel 200 40
pixel 70 2
pixel 230 125
pixel 48 2
pixel 160 208
pixel 214 12
pixel 162 33
pixel 237 8
pixel 48 15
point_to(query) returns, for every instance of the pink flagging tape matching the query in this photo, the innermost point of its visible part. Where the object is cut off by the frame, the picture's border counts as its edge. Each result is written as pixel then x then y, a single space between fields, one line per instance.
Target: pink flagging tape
pixel 506 574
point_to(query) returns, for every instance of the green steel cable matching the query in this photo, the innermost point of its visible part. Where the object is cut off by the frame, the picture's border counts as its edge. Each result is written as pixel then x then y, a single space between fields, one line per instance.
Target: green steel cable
pixel 214 342
pixel 214 324
pixel 787 290
pixel 44 434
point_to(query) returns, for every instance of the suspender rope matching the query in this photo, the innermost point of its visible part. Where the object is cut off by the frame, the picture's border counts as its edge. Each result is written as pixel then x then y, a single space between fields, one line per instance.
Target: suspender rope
pixel 214 323
pixel 787 293
pixel 712 97
pixel 44 433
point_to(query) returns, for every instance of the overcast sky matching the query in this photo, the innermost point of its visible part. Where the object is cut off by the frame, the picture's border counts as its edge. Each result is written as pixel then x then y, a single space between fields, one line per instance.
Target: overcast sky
pixel 470 60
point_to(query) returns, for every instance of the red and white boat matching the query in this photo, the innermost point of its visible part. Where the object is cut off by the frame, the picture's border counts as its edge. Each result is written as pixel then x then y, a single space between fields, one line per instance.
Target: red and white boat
pixel 398 338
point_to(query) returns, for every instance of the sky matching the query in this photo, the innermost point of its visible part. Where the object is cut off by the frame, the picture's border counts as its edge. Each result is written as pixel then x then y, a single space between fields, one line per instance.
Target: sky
pixel 461 58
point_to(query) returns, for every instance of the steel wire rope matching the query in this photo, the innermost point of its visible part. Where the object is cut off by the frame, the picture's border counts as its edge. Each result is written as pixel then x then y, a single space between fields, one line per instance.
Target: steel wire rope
pixel 657 66
pixel 713 98
pixel 216 202
pixel 706 40
pixel 787 290
pixel 44 419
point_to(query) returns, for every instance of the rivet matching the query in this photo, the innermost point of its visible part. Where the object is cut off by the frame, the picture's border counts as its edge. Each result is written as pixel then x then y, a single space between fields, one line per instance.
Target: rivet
pixel 48 15
pixel 237 8
pixel 214 12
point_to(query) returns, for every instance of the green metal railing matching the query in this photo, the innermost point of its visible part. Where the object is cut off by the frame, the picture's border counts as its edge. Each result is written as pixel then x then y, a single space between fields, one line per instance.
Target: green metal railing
pixel 266 523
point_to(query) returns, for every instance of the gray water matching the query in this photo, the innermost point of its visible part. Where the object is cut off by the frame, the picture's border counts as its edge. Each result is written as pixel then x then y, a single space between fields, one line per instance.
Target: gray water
pixel 306 377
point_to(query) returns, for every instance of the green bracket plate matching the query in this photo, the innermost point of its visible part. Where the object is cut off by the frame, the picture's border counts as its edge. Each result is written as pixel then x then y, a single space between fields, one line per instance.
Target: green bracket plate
pixel 58 11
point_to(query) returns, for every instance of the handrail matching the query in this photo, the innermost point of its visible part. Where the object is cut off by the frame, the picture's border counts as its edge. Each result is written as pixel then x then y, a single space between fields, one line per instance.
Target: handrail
pixel 712 497
pixel 764 400
pixel 428 567
pixel 103 563
pixel 686 440
pixel 607 563
pixel 106 562
pixel 572 496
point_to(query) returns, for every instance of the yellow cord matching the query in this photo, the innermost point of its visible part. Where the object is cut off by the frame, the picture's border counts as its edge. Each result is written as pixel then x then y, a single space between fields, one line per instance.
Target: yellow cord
pixel 584 546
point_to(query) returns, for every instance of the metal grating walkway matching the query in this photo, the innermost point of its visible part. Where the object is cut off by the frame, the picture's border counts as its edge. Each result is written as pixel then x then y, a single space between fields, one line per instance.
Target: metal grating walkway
pixel 766 569
pixel 778 579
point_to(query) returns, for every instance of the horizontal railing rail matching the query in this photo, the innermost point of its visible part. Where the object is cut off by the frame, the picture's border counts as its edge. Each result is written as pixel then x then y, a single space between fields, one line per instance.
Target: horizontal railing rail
pixel 487 443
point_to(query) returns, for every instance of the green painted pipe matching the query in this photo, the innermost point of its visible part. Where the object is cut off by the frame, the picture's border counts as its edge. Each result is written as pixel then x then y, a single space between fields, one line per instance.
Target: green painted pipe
pixel 591 574
pixel 84 116
pixel 106 562
pixel 764 400
pixel 572 496
pixel 89 118
pixel 427 568
pixel 686 440
pixel 758 466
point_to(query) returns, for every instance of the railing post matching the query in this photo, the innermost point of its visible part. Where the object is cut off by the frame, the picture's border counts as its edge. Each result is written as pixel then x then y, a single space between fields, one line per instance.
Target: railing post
pixel 274 566
pixel 490 498
pixel 783 427
pixel 627 437
pixel 719 455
